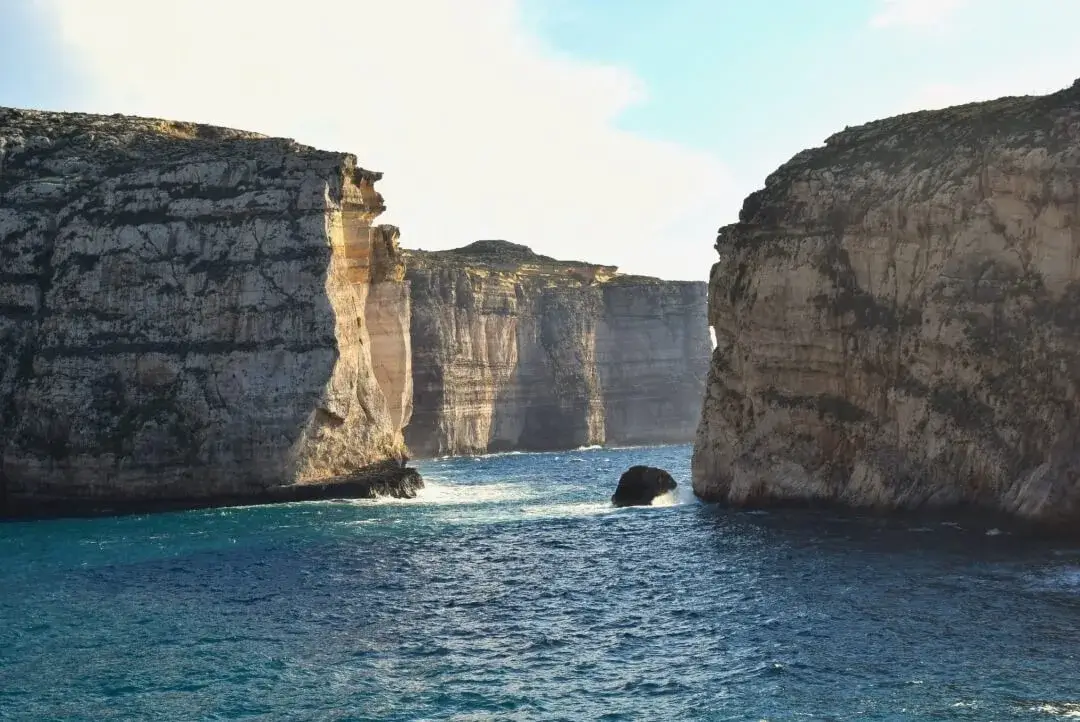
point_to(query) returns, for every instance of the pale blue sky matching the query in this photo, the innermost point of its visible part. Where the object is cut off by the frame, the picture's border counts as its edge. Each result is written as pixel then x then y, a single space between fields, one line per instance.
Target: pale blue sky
pixel 758 81
pixel 606 130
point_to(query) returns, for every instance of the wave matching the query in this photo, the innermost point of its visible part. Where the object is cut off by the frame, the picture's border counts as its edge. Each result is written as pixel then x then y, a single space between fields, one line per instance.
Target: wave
pixel 682 494
pixel 435 492
pixel 498 454
pixel 668 498
pixel 474 457
pixel 582 508
pixel 1059 709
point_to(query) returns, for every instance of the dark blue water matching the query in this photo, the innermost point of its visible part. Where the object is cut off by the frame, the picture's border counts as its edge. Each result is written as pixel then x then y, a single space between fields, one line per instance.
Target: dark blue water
pixel 512 590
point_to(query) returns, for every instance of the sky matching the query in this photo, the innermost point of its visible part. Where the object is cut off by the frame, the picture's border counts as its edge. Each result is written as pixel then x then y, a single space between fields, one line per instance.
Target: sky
pixel 621 132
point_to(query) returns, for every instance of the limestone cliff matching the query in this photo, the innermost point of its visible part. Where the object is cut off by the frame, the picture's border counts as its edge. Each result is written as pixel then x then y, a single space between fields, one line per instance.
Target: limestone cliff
pixel 191 314
pixel 897 319
pixel 513 350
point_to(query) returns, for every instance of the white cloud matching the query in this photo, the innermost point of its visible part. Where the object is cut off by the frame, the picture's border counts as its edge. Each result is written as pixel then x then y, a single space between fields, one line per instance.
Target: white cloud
pixel 482 131
pixel 917 14
pixel 940 95
pixel 1036 76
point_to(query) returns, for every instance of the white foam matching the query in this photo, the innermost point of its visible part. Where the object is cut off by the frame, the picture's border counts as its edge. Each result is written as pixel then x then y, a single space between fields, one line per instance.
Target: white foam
pixel 497 454
pixel 584 508
pixel 682 494
pixel 439 493
pixel 1059 709
pixel 668 498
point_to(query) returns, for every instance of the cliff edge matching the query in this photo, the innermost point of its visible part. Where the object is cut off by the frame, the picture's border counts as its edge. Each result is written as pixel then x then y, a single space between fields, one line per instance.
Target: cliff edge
pixel 514 350
pixel 897 319
pixel 192 315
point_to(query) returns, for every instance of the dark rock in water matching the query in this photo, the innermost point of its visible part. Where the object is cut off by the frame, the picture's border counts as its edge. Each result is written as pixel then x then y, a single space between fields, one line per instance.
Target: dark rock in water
pixel 639 485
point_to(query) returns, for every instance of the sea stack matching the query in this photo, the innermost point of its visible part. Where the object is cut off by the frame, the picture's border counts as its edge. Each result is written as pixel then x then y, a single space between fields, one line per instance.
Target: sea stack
pixel 897 317
pixel 639 485
pixel 193 315
pixel 514 350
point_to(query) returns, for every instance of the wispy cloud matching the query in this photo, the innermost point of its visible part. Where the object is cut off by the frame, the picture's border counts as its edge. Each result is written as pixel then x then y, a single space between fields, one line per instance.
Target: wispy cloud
pixel 915 14
pixel 1031 77
pixel 482 131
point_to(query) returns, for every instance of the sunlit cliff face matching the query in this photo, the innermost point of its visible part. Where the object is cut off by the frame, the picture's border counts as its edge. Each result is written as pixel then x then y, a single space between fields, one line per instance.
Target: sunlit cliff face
pixel 896 319
pixel 190 314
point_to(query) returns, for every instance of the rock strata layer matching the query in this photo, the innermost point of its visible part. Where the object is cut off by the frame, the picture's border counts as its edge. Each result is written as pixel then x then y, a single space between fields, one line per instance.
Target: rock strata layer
pixel 513 350
pixel 897 317
pixel 191 313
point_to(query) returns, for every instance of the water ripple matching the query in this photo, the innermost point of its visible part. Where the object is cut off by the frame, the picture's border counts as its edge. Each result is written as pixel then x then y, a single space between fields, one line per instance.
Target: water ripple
pixel 511 590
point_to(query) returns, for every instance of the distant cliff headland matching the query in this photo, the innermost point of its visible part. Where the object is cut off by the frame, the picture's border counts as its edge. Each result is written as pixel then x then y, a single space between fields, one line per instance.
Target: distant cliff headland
pixel 514 350
pixel 193 315
pixel 898 319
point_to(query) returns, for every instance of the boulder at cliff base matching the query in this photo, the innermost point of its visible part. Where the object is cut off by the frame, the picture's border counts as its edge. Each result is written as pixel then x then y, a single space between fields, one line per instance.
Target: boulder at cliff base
pixel 639 485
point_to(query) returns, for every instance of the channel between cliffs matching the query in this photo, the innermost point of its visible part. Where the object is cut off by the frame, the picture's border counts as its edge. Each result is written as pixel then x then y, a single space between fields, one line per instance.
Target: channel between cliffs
pixel 197 316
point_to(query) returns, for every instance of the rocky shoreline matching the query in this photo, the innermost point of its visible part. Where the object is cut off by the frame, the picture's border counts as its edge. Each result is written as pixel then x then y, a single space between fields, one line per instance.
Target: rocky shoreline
pixel 382 480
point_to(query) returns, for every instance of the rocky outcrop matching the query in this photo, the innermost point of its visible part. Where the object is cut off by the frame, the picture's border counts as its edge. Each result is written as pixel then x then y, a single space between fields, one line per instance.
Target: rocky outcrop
pixel 190 313
pixel 513 350
pixel 897 319
pixel 639 485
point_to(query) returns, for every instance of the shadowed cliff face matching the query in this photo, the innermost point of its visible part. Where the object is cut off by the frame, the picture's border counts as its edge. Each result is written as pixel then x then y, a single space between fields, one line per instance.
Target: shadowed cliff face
pixel 189 312
pixel 896 319
pixel 519 351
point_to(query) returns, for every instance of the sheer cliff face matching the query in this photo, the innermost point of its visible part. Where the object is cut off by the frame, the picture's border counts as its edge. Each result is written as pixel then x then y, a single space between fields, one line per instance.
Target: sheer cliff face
pixel 897 319
pixel 652 353
pixel 189 311
pixel 518 351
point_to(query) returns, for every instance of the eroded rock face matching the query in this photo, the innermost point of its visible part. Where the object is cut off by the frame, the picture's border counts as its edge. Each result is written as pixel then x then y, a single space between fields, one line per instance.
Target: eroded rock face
pixel 897 319
pixel 639 485
pixel 513 350
pixel 190 312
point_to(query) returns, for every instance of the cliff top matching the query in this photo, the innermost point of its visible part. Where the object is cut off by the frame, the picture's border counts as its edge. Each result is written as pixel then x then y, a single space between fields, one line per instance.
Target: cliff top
pixel 513 258
pixel 103 142
pixel 905 144
pixel 499 251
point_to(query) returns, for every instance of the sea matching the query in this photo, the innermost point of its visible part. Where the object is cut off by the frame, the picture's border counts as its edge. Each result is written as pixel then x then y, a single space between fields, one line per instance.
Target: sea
pixel 511 589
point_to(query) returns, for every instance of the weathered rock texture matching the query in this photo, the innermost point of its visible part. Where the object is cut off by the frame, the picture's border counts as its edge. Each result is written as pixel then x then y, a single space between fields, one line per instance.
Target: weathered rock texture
pixel 190 313
pixel 513 350
pixel 897 316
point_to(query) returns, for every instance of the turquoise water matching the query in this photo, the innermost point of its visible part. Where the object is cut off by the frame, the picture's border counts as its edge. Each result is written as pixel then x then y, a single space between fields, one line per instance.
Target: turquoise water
pixel 512 590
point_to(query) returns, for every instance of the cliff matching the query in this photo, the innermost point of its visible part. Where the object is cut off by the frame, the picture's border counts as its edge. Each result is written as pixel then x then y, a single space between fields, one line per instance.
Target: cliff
pixel 193 315
pixel 513 350
pixel 897 319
